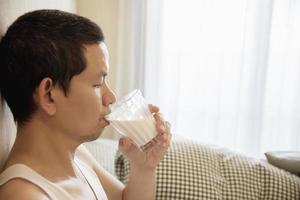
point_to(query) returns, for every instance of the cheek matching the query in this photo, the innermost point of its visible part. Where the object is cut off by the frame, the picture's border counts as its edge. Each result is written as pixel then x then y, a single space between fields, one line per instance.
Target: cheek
pixel 89 105
pixel 95 101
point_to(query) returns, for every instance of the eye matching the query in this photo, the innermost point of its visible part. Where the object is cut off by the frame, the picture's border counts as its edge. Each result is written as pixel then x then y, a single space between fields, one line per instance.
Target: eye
pixel 97 89
pixel 97 86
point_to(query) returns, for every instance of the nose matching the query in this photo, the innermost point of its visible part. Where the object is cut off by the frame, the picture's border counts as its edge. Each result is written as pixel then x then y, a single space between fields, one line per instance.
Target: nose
pixel 108 97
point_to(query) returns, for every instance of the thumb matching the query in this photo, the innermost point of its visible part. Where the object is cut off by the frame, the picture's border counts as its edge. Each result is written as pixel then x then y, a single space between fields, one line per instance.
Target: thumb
pixel 125 145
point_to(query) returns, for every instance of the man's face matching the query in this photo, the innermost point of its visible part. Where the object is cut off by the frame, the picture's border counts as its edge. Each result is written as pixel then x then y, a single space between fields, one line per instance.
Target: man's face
pixel 81 113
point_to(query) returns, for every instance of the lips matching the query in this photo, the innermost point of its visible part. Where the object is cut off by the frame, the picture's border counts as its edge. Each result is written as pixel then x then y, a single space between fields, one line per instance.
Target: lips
pixel 104 119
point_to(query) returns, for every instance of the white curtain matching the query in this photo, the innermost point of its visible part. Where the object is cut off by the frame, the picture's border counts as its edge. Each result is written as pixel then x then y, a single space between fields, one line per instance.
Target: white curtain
pixel 227 71
pixel 130 44
pixel 139 32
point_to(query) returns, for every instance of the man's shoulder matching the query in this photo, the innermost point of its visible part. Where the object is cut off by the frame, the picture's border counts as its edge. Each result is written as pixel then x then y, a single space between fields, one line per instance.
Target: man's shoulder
pixel 16 189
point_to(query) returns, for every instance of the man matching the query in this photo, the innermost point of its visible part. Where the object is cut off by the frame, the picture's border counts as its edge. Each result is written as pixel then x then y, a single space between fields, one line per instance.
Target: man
pixel 53 67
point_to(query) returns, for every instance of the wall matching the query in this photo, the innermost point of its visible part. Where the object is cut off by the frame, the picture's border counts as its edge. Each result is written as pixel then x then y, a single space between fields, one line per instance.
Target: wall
pixel 10 10
pixel 105 14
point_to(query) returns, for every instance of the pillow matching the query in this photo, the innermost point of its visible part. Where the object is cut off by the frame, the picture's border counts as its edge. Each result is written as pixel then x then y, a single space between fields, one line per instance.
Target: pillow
pixel 287 160
pixel 194 171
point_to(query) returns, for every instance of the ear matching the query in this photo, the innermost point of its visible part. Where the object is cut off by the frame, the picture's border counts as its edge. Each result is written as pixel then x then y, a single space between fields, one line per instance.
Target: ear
pixel 44 97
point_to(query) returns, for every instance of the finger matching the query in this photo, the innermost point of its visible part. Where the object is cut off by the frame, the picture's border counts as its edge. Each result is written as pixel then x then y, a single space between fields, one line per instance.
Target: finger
pixel 125 143
pixel 168 126
pixel 153 108
pixel 164 139
pixel 150 144
pixel 160 123
pixel 160 143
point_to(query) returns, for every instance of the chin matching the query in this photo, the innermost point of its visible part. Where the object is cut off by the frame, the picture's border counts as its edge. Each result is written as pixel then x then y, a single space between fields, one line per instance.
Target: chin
pixel 91 137
pixel 94 136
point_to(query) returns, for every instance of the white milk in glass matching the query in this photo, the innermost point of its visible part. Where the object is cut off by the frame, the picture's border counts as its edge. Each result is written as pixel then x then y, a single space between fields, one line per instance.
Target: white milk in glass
pixel 141 131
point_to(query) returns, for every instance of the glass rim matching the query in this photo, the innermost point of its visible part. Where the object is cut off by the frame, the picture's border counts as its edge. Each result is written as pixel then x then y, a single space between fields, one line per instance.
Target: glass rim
pixel 126 98
pixel 123 100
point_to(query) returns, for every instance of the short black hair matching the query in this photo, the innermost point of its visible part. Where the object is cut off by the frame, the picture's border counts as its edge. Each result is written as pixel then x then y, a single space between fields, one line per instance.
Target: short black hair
pixel 39 44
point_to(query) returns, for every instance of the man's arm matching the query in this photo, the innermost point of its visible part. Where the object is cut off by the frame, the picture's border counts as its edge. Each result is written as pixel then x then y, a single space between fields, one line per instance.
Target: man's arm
pixel 25 191
pixel 141 183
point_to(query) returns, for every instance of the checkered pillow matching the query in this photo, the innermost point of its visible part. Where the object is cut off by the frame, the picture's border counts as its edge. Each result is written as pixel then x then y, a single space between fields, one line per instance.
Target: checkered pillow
pixel 194 171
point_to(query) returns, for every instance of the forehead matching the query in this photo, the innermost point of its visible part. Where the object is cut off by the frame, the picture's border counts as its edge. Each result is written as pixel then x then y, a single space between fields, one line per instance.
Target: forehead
pixel 96 59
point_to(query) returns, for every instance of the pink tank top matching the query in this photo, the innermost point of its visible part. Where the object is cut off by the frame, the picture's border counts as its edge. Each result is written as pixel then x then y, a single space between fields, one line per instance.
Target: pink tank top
pixel 54 191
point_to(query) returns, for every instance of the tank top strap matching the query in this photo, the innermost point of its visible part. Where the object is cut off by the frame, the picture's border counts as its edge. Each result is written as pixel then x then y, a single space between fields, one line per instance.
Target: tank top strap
pixel 92 179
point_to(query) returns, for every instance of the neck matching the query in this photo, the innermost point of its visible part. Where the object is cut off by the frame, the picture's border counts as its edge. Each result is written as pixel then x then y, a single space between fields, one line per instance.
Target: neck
pixel 46 150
